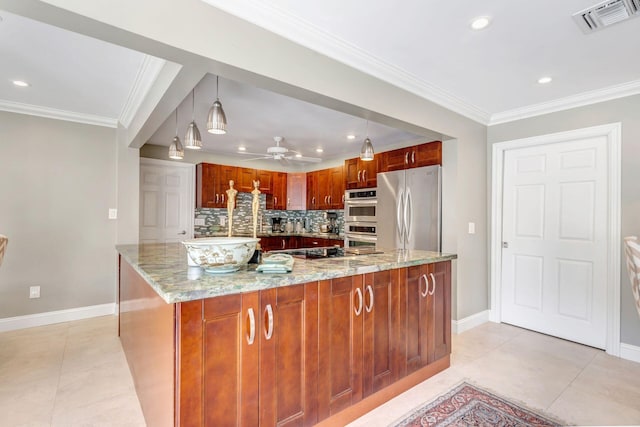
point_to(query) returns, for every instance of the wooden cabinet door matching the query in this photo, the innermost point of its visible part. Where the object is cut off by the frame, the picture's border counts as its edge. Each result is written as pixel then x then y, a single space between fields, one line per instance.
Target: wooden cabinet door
pixel 341 310
pixel 324 188
pixel 440 310
pixel 312 190
pixel 205 185
pixel 229 377
pixel 288 356
pixel 280 190
pixel 246 177
pixel 380 331
pixel 266 181
pixel 224 175
pixel 336 185
pixel 426 154
pixel 369 172
pixel 352 173
pixel 297 191
pixel 415 314
pixel 394 160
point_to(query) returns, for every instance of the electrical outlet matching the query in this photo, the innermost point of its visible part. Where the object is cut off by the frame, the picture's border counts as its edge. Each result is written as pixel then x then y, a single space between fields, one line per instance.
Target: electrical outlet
pixel 472 228
pixel 113 213
pixel 199 221
pixel 34 292
pixel 223 220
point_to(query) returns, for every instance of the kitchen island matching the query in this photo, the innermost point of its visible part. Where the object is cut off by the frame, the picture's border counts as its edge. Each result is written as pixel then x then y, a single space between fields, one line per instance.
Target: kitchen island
pixel 320 345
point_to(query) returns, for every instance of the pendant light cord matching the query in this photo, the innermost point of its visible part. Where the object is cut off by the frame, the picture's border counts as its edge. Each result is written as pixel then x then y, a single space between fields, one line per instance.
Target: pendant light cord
pixel 176 122
pixel 193 102
pixel 217 97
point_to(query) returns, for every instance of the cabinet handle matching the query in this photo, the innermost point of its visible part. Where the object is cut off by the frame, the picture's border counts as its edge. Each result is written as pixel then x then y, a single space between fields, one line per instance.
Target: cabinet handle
pixel 413 156
pixel 433 279
pixel 329 199
pixel 252 326
pixel 364 175
pixel 426 285
pixel 406 158
pixel 370 306
pixel 222 196
pixel 269 332
pixel 325 199
pixel 360 302
pixel 315 242
pixel 313 200
pixel 275 200
pixel 217 198
pixel 343 198
pixel 283 244
pixel 288 201
pixel 359 172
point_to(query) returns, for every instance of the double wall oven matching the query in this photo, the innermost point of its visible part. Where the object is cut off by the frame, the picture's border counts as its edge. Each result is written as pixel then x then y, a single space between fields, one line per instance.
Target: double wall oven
pixel 360 218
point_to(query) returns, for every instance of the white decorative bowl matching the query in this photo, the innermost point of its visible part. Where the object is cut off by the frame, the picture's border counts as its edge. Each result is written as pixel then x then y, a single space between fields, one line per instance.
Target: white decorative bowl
pixel 220 254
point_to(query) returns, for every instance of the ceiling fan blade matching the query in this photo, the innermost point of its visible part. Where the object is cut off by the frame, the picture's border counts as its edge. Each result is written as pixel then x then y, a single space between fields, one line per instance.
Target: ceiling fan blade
pixel 307 159
pixel 252 154
pixel 257 158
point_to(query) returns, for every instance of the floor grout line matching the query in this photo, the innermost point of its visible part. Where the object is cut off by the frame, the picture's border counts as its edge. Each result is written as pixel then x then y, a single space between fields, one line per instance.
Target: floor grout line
pixel 564 390
pixel 55 398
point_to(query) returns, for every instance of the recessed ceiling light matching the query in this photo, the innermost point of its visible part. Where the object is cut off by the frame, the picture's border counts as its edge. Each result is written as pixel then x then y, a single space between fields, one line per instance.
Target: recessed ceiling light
pixel 544 80
pixel 21 83
pixel 298 155
pixel 242 148
pixel 351 137
pixel 319 150
pixel 480 22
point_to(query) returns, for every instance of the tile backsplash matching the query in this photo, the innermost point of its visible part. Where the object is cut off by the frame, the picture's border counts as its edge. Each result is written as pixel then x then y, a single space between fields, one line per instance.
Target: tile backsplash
pixel 243 222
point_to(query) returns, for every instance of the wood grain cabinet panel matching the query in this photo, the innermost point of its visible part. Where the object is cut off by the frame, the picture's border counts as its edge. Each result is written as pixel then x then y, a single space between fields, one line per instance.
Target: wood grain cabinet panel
pixel 440 311
pixel 341 309
pixel 426 154
pixel 312 190
pixel 296 191
pixel 212 183
pixel 416 312
pixel 277 199
pixel 361 174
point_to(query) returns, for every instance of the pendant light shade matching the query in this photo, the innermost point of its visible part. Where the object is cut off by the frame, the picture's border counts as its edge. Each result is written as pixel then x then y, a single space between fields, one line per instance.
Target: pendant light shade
pixel 176 151
pixel 366 152
pixel 217 121
pixel 192 139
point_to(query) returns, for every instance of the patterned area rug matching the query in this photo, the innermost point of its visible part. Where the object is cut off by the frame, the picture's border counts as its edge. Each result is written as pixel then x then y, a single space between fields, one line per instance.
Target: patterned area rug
pixel 468 405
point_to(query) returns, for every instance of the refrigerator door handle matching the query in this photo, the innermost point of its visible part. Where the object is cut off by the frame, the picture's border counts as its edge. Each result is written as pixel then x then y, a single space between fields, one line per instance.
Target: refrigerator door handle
pixel 399 215
pixel 408 214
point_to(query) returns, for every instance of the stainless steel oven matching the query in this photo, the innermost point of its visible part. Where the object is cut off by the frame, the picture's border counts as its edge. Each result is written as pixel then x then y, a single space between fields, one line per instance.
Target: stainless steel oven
pixel 360 205
pixel 357 241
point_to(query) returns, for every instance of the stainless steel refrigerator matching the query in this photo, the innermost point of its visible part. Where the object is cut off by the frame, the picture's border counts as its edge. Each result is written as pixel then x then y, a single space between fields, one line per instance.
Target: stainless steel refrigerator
pixel 409 209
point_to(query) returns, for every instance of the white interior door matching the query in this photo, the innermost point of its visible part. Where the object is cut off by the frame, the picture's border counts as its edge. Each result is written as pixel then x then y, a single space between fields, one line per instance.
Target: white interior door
pixel 166 207
pixel 554 232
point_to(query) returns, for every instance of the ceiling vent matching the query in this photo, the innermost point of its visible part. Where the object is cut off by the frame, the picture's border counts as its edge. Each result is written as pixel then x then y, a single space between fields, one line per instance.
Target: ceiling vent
pixel 606 13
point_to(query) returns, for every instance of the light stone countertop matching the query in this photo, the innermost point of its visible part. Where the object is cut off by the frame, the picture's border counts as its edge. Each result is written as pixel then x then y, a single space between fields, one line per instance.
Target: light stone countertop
pixel 164 267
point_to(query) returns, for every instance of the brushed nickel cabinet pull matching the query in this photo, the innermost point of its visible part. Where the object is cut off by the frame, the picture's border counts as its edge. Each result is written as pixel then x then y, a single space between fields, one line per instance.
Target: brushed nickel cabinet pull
pixel 370 292
pixel 359 175
pixel 426 285
pixel 269 332
pixel 252 327
pixel 433 279
pixel 360 302
pixel 413 156
pixel 406 158
pixel 217 196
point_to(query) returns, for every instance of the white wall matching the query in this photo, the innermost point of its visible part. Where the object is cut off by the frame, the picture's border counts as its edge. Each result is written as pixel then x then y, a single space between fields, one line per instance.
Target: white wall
pixel 57 182
pixel 626 111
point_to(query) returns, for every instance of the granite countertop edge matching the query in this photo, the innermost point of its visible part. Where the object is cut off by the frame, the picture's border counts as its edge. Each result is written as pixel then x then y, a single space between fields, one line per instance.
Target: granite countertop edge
pixel 164 268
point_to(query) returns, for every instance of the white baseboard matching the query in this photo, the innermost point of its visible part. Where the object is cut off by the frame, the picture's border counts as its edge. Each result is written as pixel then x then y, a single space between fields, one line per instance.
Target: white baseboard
pixel 459 326
pixel 630 352
pixel 50 317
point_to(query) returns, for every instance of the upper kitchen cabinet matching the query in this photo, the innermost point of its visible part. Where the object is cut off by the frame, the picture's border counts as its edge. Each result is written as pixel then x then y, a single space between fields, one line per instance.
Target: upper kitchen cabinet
pixel 325 189
pixel 360 173
pixel 246 177
pixel 277 198
pixel 212 183
pixel 297 191
pixel 411 157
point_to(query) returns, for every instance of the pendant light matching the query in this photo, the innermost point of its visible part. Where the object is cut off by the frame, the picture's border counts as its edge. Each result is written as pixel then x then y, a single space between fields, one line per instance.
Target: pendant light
pixel 192 139
pixel 176 151
pixel 217 121
pixel 366 152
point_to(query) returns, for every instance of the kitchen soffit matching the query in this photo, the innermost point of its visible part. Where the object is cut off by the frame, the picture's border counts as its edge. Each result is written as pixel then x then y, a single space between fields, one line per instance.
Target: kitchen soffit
pixel 428 47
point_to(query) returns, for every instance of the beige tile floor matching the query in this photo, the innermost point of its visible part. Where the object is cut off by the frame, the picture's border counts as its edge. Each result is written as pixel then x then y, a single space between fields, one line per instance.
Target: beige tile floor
pixel 75 374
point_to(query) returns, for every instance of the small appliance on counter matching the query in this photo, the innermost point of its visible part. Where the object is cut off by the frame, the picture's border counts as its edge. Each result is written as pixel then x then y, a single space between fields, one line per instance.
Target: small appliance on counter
pixel 330 225
pixel 276 224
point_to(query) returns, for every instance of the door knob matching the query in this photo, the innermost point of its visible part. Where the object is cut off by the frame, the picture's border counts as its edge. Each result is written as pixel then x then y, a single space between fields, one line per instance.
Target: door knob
pixel 183 232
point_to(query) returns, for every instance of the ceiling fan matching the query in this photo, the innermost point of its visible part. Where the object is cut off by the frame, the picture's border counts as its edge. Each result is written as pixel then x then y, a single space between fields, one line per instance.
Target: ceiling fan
pixel 283 154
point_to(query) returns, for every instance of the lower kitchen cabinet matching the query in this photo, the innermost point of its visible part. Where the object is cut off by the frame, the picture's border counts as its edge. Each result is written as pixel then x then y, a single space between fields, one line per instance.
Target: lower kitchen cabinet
pixel 297 355
pixel 251 357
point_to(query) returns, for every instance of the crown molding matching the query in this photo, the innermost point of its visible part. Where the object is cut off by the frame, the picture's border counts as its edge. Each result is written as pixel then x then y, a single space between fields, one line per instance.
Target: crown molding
pixel 579 100
pixel 147 74
pixel 52 113
pixel 302 32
